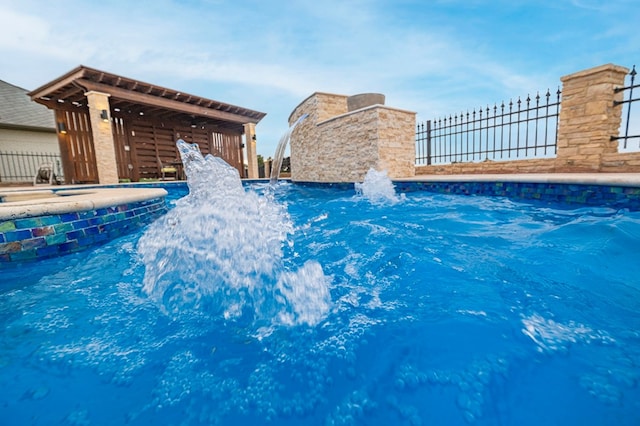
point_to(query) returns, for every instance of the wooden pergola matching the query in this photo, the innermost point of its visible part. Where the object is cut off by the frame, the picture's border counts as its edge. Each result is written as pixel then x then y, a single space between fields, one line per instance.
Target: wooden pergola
pixel 114 128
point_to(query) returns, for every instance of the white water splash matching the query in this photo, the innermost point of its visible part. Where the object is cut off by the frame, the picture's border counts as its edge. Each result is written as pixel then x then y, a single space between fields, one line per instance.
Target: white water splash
pixel 551 336
pixel 220 250
pixel 377 188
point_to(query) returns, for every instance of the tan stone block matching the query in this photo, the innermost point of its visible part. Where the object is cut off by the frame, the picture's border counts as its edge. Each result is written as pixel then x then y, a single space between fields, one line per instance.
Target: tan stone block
pixel 619 163
pixel 584 122
pixel 587 151
pixel 600 90
pixel 598 107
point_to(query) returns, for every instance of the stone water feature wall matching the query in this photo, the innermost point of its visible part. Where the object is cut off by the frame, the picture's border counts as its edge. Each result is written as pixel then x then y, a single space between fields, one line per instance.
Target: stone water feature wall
pixel 344 136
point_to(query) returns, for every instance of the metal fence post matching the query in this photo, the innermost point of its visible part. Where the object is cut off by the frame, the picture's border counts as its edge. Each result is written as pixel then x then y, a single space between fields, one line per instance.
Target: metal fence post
pixel 428 142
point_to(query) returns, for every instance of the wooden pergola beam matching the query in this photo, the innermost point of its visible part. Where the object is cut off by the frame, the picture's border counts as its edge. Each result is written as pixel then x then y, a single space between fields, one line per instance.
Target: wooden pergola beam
pixel 63 81
pixel 155 101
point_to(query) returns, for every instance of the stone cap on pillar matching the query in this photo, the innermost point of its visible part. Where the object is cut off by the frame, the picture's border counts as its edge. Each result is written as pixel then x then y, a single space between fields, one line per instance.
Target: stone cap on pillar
pixel 364 100
pixel 595 70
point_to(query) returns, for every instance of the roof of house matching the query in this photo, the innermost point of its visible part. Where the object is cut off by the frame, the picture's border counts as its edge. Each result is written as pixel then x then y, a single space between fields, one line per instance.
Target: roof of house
pixel 17 110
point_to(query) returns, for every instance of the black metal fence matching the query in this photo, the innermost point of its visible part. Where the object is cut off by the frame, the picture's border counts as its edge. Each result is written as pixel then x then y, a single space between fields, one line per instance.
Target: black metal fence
pixel 22 166
pixel 630 127
pixel 518 130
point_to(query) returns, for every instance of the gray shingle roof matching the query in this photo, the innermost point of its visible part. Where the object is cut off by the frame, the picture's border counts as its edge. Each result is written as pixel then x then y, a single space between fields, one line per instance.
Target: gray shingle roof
pixel 17 109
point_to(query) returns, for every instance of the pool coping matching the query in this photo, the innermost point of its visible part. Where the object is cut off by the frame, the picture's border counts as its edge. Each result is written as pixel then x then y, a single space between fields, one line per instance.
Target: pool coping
pixel 613 179
pixel 69 199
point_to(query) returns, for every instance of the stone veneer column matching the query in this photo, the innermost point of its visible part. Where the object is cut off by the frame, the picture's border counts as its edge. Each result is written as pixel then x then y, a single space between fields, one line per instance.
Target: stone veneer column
pixel 252 155
pixel 588 117
pixel 310 153
pixel 103 143
pixel 396 142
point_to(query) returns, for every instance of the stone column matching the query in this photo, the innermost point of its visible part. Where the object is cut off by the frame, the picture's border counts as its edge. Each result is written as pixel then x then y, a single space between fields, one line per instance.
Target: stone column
pixel 588 118
pixel 396 142
pixel 252 155
pixel 103 143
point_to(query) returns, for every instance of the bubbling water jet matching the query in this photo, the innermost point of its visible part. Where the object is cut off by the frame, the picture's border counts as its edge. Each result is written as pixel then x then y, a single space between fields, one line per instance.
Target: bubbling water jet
pixel 377 188
pixel 220 251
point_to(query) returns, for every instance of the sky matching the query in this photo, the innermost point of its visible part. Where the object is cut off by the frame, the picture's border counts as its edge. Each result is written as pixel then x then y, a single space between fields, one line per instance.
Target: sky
pixel 433 57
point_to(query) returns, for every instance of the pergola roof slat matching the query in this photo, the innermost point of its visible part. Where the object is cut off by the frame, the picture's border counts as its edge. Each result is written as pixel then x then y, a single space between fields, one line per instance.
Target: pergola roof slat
pixel 150 100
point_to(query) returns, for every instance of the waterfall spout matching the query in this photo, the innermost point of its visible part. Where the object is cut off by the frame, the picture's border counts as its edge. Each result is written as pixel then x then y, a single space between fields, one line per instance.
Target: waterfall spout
pixel 282 145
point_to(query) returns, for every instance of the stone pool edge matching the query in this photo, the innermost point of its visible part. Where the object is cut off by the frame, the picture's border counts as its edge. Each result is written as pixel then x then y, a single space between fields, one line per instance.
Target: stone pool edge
pixel 72 219
pixel 609 179
pixel 71 200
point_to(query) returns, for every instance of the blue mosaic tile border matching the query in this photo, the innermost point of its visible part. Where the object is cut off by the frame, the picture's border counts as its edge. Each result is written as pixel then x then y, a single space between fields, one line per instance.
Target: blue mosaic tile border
pixel 620 197
pixel 41 237
pixel 342 186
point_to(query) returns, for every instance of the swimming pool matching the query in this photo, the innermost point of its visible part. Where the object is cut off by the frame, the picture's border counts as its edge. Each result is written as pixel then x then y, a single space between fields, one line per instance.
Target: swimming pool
pixel 440 309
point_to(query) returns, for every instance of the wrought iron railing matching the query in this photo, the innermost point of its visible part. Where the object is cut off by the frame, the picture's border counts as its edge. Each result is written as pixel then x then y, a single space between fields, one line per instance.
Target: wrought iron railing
pixel 23 166
pixel 630 126
pixel 505 132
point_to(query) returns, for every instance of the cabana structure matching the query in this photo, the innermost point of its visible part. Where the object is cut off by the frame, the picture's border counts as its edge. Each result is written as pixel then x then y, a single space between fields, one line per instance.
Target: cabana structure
pixel 112 128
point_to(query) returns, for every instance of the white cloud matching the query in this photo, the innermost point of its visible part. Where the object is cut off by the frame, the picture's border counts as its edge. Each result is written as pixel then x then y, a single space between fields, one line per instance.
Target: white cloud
pixel 22 32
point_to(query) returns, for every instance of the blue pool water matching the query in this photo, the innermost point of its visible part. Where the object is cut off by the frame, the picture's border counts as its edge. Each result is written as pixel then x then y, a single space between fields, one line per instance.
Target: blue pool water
pixel 440 310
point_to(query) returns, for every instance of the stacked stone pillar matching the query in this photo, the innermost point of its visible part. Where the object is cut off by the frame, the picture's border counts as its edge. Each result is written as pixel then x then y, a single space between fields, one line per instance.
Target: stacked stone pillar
pixel 103 143
pixel 252 154
pixel 589 117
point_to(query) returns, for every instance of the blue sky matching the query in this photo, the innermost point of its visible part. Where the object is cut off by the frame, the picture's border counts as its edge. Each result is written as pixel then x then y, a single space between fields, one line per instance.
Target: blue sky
pixel 433 57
